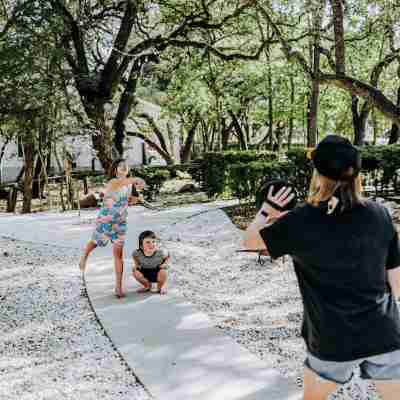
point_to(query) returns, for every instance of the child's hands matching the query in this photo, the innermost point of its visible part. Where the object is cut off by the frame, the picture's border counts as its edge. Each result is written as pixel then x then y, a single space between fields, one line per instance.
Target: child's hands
pixel 139 184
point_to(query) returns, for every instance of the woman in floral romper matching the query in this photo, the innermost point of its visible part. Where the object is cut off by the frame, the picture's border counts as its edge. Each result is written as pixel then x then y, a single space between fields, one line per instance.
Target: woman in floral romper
pixel 111 222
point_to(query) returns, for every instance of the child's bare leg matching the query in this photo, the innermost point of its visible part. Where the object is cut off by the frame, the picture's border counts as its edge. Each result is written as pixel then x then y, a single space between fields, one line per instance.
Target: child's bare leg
pixel 161 280
pixel 119 269
pixel 89 247
pixel 142 280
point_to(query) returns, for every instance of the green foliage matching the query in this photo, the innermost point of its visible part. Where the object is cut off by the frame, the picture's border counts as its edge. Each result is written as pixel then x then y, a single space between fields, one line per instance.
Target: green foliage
pixel 246 179
pixel 217 166
pixel 380 166
pixel 154 177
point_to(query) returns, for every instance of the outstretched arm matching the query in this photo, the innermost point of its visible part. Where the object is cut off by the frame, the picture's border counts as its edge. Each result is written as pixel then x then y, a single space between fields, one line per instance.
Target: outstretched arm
pixel 394 281
pixel 267 215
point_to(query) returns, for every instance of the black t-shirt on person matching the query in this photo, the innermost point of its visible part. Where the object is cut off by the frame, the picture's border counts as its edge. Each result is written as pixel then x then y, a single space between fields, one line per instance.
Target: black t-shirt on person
pixel 341 263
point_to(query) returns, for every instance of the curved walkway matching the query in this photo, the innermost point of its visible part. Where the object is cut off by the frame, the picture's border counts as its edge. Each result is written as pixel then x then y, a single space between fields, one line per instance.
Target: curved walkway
pixel 173 348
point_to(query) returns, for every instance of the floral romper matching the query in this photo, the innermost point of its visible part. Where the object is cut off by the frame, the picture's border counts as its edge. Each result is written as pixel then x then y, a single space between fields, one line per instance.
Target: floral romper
pixel 111 221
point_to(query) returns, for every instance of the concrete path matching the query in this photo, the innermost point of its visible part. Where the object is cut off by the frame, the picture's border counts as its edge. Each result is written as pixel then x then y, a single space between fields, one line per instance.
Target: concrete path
pixel 172 347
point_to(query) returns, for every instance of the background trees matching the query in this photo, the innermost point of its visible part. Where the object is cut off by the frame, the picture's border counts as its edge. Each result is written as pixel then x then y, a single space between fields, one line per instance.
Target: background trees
pixel 256 73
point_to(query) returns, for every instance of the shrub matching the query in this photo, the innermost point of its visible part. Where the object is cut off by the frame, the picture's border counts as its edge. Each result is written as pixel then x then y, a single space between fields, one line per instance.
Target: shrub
pixel 216 165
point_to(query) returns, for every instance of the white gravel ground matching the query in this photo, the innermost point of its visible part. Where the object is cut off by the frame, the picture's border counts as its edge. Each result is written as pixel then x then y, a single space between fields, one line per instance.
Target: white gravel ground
pixel 51 345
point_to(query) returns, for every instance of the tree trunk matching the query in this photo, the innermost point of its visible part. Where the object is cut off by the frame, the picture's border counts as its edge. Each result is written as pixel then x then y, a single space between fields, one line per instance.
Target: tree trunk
pixel 125 105
pixel 270 102
pixel 12 199
pixel 37 185
pixel 239 131
pixel 312 115
pixel 225 134
pixel 29 153
pixel 291 122
pixel 102 139
pixel 359 120
pixel 395 131
pixel 187 148
pixel 337 9
pixel 2 152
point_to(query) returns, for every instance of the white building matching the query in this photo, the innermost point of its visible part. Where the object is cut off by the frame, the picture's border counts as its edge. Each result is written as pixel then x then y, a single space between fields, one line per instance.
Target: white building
pixel 80 147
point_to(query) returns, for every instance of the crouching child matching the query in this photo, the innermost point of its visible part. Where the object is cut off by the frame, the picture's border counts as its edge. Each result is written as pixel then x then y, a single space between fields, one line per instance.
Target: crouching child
pixel 150 264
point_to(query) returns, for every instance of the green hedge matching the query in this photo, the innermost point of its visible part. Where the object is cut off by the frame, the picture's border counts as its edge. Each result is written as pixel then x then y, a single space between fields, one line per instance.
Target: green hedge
pixel 245 180
pixel 216 166
pixel 154 177
pixel 380 167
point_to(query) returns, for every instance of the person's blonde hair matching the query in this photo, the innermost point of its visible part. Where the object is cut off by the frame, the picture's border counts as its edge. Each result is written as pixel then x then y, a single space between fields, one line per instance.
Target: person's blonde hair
pixel 348 191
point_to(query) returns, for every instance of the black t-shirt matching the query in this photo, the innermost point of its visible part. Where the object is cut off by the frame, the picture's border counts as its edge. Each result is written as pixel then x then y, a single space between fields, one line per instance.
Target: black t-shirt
pixel 341 263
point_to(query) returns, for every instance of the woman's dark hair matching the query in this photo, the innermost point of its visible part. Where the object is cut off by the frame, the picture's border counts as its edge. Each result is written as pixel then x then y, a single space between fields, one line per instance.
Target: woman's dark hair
pixel 112 172
pixel 145 235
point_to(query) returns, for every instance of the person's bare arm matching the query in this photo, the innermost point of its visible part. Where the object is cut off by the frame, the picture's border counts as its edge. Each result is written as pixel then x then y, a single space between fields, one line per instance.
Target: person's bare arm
pixel 394 281
pixel 266 216
pixel 164 263
pixel 138 182
pixel 252 238
pixel 136 265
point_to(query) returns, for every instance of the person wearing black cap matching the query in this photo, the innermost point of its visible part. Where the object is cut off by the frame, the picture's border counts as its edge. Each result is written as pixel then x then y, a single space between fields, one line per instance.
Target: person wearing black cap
pixel 346 255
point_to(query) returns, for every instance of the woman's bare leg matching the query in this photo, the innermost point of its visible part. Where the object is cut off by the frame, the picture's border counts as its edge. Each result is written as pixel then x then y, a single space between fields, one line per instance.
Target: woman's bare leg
pixel 90 246
pixel 119 269
pixel 316 388
pixel 388 390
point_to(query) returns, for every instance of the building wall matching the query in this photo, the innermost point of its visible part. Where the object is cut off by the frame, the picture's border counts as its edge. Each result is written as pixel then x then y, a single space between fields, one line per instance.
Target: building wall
pixel 79 147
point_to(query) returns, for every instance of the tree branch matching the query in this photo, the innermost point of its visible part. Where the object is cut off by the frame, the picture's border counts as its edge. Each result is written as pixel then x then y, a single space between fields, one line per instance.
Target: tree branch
pixel 286 48
pixel 164 154
pixel 337 9
pixel 368 92
pixel 156 130
pixel 111 67
pixel 76 37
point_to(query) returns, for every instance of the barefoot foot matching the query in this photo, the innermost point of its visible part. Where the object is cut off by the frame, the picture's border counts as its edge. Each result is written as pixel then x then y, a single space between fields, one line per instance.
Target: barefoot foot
pixel 163 290
pixel 119 293
pixel 143 289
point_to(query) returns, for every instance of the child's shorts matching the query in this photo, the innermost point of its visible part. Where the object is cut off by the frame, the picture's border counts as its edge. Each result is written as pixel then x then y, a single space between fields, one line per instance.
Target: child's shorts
pixel 150 273
pixel 383 367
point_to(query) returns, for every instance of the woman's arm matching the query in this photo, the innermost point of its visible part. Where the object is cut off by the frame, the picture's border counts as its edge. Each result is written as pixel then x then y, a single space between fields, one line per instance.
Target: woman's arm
pixel 252 237
pixel 266 216
pixel 139 183
pixel 394 281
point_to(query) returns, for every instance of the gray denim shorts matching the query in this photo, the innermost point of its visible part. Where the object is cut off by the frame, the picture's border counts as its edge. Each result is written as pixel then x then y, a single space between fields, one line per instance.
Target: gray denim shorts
pixel 382 367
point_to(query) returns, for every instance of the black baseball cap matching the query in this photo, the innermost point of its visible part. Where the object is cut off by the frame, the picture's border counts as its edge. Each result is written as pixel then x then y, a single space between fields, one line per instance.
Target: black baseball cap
pixel 334 156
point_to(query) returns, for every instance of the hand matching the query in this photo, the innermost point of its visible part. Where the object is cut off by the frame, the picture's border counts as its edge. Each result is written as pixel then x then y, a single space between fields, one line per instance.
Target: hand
pixel 275 203
pixel 139 184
